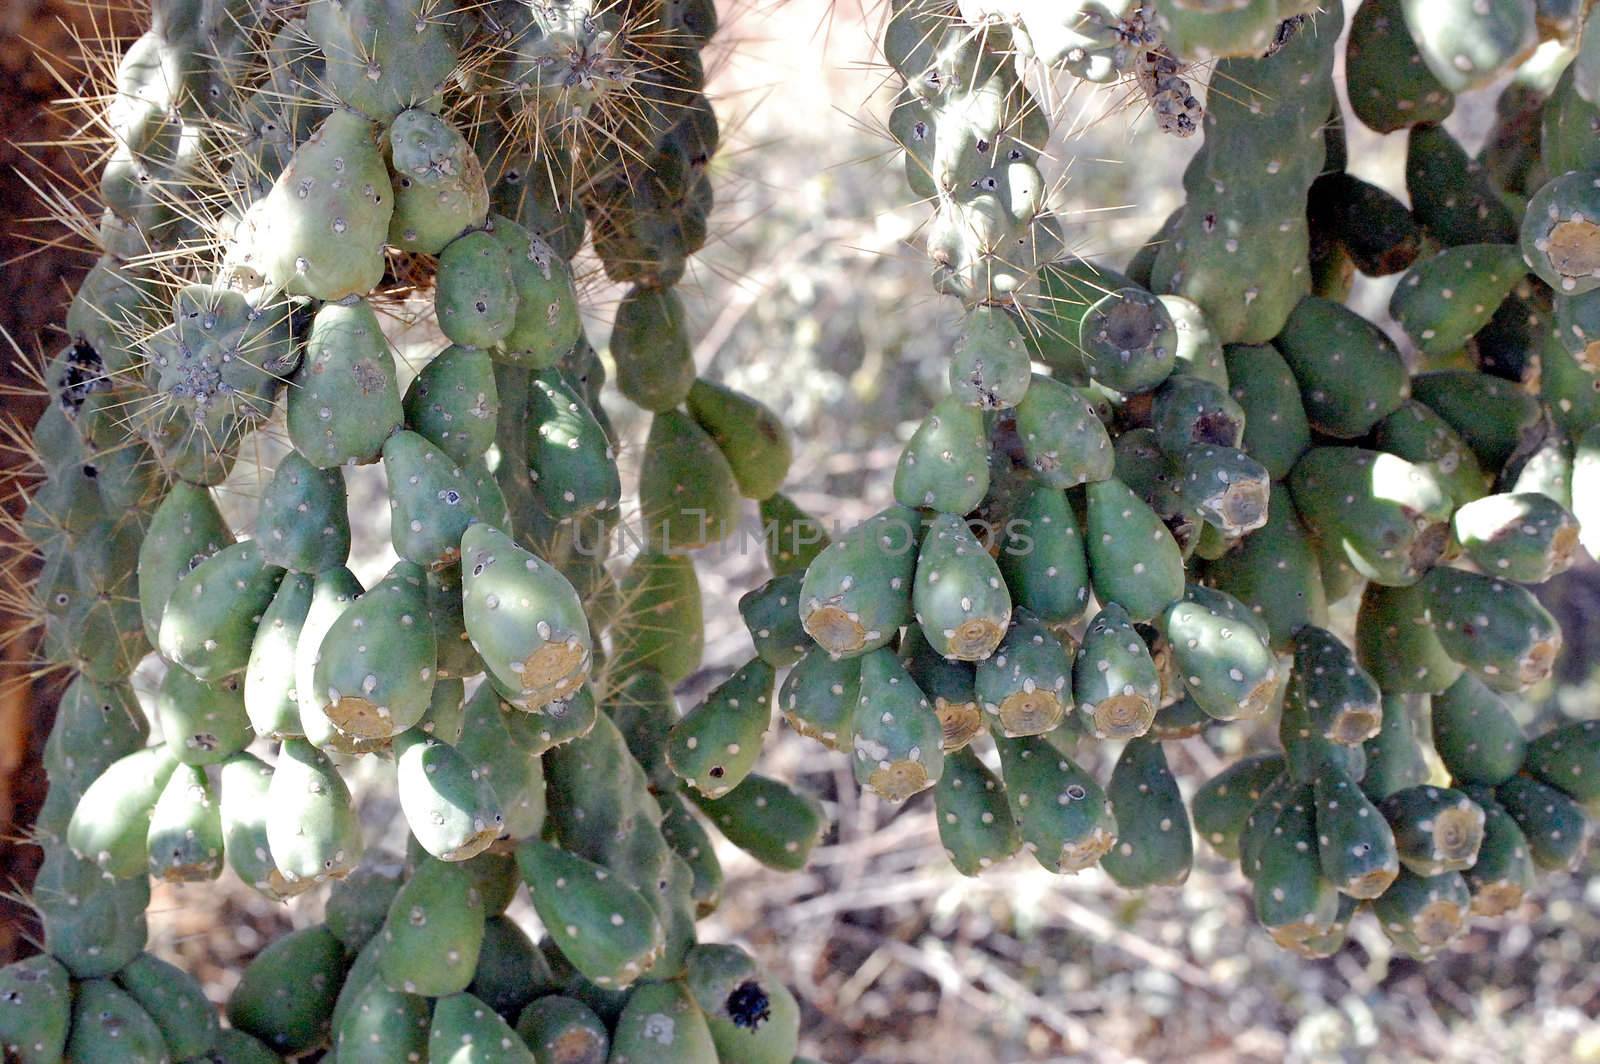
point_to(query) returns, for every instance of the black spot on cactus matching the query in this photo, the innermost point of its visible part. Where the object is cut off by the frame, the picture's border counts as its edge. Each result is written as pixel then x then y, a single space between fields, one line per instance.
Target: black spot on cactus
pixel 748 1005
pixel 82 376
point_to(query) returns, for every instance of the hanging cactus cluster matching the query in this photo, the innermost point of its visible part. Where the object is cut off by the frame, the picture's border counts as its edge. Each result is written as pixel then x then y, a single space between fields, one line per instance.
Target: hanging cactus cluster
pixel 1144 542
pixel 1125 524
pixel 276 171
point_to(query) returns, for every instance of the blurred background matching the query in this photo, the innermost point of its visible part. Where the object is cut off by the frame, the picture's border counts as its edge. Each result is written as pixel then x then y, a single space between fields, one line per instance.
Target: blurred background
pixel 814 297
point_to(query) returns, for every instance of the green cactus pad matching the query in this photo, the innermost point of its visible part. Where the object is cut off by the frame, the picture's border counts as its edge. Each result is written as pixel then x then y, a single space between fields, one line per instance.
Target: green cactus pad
pixel 747 432
pixel 771 614
pixel 1495 417
pixel 1560 236
pixel 344 400
pixel 1436 829
pixel 1390 87
pixel 819 696
pixel 210 620
pixel 1464 45
pixel 175 1002
pixel 475 299
pixel 452 811
pixel 453 403
pixel 1223 802
pixel 1556 827
pixel 1293 899
pixel 959 599
pixel 650 345
pixel 1025 686
pixel 334 591
pixel 791 536
pixel 896 737
pixel 1064 818
pixel 513 771
pixel 560 1028
pixel 753 1018
pixel 1476 735
pixel 109 1024
pixel 1528 537
pixel 949 684
pixel 1064 441
pixel 1397 642
pixel 1043 559
pixel 112 819
pixel 187 525
pixel 1385 516
pixel 1504 872
pixel 688 494
pixel 1274 571
pixel 303 524
pixel 1568 759
pixel 661 1024
pixel 1114 680
pixel 1394 756
pixel 244 782
pixel 430 940
pixel 1354 843
pixel 93 925
pixel 1423 914
pixel 716 744
pixel 439 187
pixel 1155 846
pixel 431 501
pixel 570 457
pixel 384 56
pixel 511 971
pixel 203 722
pixel 1417 434
pixel 774 823
pixel 1497 629
pixel 692 843
pixel 358 904
pixel 945 464
pixel 34 1025
pixel 1133 559
pixel 857 592
pixel 287 993
pixel 989 367
pixel 974 818
pixel 373 1023
pixel 524 618
pixel 185 837
pixel 323 225
pixel 95 725
pixel 374 669
pixel 1225 486
pixel 1442 301
pixel 1223 657
pixel 1350 374
pixel 1342 699
pixel 312 828
pixel 603 926
pixel 270 699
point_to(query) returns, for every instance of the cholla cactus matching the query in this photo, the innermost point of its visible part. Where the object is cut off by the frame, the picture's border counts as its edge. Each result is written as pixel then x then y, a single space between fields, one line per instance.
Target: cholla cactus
pixel 274 173
pixel 1126 522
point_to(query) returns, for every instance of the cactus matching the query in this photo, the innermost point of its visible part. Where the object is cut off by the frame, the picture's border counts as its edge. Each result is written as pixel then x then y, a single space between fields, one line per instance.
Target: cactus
pixel 1219 453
